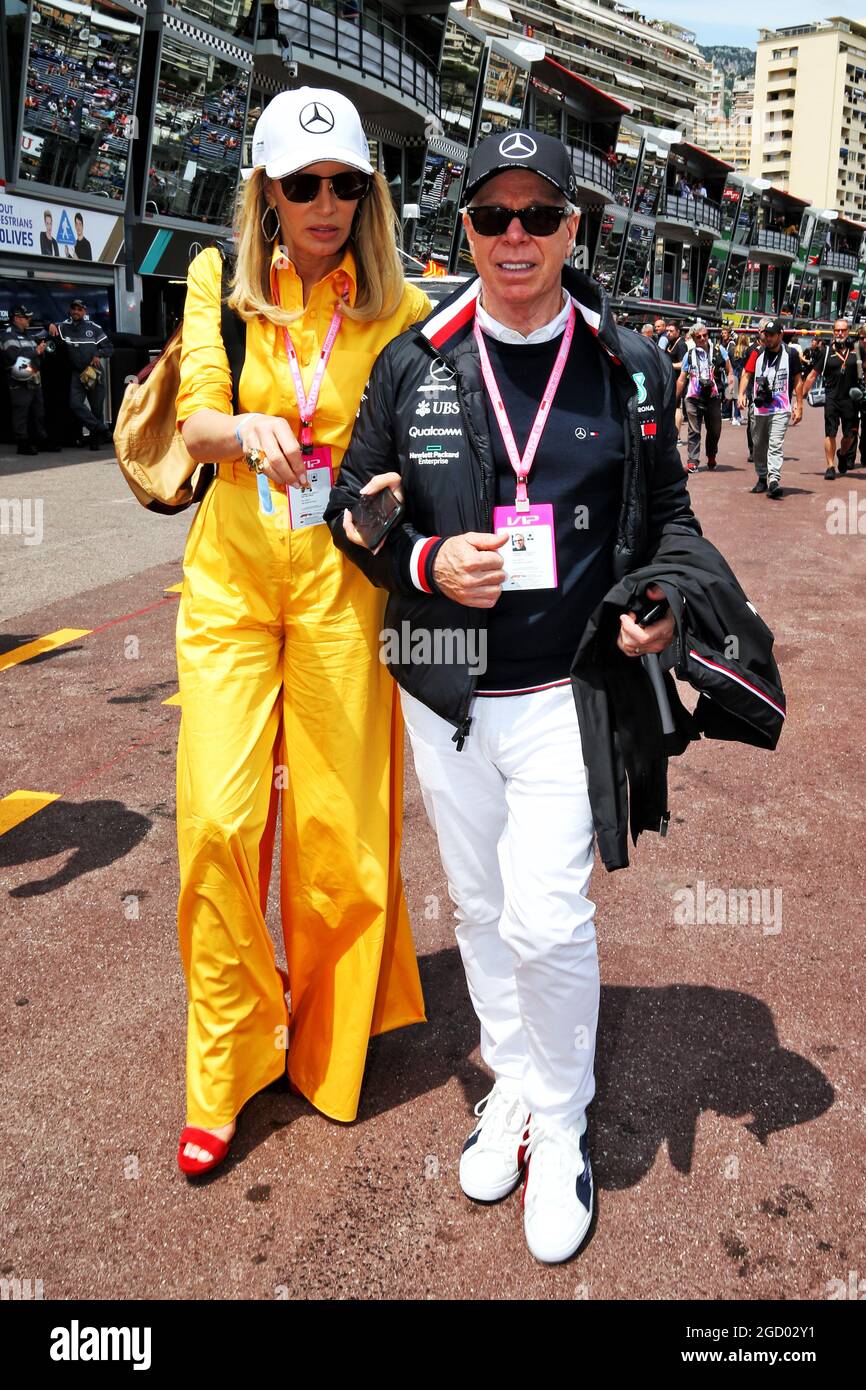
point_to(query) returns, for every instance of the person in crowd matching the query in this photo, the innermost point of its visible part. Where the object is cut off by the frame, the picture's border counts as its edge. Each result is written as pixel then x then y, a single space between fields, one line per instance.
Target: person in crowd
pixel 21 350
pixel 837 364
pixel 848 460
pixel 87 346
pixel 703 405
pixel 775 374
pixel 284 700
pixel 661 335
pixel 725 341
pixel 739 356
pixel 529 351
pixel 648 331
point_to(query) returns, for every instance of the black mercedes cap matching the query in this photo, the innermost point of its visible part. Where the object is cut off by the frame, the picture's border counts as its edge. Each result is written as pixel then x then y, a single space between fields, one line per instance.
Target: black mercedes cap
pixel 522 149
pixel 772 326
pixel 22 310
pixel 77 304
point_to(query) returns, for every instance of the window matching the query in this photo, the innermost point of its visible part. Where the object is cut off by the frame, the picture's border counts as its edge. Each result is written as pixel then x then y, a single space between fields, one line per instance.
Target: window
pixel 197 134
pixel 78 100
pixel 461 64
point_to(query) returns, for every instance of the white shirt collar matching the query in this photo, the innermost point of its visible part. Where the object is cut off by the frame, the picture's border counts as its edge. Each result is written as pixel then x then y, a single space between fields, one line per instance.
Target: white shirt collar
pixel 494 329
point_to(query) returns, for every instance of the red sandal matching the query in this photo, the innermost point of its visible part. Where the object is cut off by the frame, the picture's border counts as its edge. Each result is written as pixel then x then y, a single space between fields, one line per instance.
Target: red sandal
pixel 193 1167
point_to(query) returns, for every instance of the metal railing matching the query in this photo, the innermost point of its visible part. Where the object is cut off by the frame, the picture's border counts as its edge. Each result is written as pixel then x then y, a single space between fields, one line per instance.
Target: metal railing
pixel 840 260
pixel 384 53
pixel 593 167
pixel 698 212
pixel 769 240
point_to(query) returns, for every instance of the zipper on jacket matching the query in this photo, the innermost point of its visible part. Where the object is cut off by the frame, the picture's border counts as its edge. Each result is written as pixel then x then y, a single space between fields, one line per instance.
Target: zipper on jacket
pixel 461 733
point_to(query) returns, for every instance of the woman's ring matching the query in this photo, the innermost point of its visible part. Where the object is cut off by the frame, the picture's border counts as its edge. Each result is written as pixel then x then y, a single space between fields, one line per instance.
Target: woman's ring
pixel 256 461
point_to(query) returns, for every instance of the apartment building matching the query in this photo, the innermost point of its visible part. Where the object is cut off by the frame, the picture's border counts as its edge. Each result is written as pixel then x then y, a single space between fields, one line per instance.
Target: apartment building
pixel 730 136
pixel 653 65
pixel 810 102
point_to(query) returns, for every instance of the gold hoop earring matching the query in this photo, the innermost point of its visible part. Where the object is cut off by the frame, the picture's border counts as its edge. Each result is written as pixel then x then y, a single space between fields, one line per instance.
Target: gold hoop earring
pixel 272 236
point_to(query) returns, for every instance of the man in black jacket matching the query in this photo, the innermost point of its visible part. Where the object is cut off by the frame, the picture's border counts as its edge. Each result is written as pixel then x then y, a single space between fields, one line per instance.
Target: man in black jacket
pixel 536 450
pixel 21 349
pixel 87 345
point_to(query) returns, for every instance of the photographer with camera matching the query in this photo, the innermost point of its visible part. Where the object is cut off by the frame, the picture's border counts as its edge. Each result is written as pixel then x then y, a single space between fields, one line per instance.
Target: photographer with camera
pixel 21 350
pixel 837 364
pixel 703 401
pixel 777 372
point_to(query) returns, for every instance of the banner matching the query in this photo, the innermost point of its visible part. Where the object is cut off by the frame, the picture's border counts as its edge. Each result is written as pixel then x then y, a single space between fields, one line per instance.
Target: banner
pixel 58 231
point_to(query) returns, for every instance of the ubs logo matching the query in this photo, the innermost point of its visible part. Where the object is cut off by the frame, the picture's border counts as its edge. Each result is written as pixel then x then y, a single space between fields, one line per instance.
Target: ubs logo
pixel 316 118
pixel 518 146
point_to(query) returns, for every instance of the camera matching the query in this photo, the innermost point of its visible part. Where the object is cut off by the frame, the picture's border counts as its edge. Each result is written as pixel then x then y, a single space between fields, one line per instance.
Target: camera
pixel 705 390
pixel 762 395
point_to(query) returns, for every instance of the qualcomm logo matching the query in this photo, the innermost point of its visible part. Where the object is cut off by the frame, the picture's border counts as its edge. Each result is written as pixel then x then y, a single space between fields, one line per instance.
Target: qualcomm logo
pixel 518 146
pixel 316 118
pixel 433 432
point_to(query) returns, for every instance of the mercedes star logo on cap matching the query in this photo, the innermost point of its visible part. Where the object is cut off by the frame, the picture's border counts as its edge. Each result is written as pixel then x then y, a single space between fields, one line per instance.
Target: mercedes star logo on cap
pixel 518 146
pixel 316 118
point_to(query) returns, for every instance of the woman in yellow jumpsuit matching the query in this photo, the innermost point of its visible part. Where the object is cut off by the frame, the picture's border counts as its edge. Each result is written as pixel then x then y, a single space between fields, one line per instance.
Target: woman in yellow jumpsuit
pixel 283 698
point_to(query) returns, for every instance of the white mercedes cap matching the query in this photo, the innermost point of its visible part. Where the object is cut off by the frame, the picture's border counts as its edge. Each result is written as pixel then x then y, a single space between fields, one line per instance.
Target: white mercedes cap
pixel 304 126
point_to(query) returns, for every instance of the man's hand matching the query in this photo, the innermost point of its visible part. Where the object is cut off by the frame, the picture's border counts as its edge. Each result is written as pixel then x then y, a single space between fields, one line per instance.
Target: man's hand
pixel 53 329
pixel 469 568
pixel 796 411
pixel 376 484
pixel 40 347
pixel 94 362
pixel 741 403
pixel 634 640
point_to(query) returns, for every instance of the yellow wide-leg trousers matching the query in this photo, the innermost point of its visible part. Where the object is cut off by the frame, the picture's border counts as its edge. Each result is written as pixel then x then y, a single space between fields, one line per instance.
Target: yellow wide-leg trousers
pixel 284 701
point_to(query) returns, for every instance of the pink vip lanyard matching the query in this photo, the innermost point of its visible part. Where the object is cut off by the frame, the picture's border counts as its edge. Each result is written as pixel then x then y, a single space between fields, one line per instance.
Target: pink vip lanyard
pixel 522 465
pixel 307 403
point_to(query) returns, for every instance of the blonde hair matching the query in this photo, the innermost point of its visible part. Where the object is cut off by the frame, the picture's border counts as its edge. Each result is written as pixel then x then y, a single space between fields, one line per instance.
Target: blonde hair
pixel 373 240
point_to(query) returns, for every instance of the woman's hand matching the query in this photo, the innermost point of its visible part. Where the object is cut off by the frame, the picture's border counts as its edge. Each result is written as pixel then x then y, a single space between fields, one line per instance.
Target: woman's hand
pixel 284 462
pixel 376 484
pixel 634 640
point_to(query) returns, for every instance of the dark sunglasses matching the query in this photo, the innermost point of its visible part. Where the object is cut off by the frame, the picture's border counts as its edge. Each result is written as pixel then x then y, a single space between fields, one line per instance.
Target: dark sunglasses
pixel 539 219
pixel 350 186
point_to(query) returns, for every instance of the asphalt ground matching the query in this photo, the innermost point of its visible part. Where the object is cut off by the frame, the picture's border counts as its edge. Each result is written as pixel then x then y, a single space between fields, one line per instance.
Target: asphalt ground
pixel 727 1129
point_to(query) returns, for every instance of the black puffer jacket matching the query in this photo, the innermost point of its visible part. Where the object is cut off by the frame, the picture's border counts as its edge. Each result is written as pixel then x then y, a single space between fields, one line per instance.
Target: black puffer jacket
pixel 449 483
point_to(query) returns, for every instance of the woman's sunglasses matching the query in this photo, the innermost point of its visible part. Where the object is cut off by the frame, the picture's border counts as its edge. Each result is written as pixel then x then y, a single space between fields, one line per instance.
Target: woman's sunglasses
pixel 539 219
pixel 350 186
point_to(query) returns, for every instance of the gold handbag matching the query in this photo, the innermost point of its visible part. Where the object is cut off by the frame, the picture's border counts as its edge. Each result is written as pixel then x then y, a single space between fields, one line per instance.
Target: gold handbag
pixel 150 450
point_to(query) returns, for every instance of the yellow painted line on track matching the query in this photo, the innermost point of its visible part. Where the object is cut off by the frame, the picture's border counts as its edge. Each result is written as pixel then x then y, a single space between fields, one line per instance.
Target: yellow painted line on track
pixel 172 699
pixel 42 644
pixel 18 806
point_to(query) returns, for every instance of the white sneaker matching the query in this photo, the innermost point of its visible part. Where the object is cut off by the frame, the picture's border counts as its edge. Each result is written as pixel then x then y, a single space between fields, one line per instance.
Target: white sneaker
pixel 558 1195
pixel 492 1159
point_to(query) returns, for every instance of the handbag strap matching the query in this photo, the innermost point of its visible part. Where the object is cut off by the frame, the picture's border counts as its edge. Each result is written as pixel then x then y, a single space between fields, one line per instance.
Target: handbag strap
pixel 232 327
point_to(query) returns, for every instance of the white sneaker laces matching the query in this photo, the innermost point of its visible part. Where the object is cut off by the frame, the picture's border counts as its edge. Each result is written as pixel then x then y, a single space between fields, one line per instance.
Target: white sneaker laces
pixel 500 1112
pixel 556 1163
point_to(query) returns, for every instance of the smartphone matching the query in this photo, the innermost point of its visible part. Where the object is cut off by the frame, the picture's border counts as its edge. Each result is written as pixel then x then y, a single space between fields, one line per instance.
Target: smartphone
pixel 376 515
pixel 657 609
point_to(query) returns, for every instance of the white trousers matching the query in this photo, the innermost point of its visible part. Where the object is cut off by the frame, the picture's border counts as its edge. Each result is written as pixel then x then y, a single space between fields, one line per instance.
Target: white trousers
pixel 513 820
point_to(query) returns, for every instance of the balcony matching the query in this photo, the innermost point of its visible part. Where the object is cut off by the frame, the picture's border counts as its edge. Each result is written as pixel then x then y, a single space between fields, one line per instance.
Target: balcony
pixel 381 53
pixel 780 242
pixel 840 260
pixel 695 212
pixel 593 170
